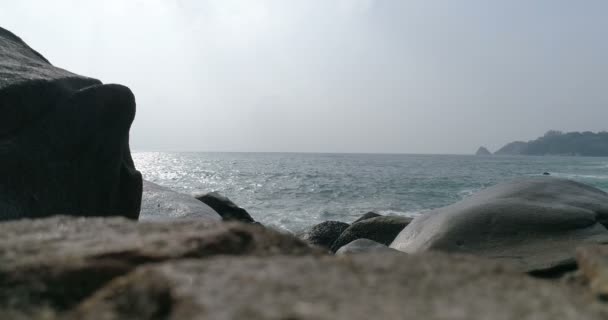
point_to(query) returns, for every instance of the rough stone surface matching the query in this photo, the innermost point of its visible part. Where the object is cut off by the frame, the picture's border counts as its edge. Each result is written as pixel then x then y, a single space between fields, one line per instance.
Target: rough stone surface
pixel 368 215
pixel 64 140
pixel 593 263
pixel 382 229
pixel 161 203
pixel 58 261
pixel 534 223
pixel 365 246
pixel 429 286
pixel 325 233
pixel 225 207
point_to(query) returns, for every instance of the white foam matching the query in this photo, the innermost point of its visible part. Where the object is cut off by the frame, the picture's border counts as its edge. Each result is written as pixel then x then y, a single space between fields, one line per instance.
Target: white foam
pixel 579 176
pixel 412 214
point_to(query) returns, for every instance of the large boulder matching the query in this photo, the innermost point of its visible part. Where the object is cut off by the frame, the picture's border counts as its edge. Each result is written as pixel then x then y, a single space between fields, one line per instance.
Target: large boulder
pixel 535 223
pixel 64 140
pixel 57 262
pixel 325 233
pixel 162 203
pixel 381 229
pixel 225 207
pixel 378 286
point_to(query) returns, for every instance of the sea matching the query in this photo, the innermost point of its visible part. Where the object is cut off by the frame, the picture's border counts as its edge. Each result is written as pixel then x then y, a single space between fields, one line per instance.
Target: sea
pixel 292 191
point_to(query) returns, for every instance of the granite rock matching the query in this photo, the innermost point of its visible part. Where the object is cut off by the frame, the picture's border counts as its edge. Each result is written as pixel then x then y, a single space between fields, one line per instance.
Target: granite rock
pixel 64 140
pixel 56 262
pixel 381 229
pixel 366 286
pixel 533 223
pixel 325 233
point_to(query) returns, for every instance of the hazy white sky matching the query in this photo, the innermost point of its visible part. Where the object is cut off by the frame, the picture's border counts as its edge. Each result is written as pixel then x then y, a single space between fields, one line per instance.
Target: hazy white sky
pixel 335 75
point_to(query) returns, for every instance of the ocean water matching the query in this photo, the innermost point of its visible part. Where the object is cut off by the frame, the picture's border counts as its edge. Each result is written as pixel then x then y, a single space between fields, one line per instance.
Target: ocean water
pixel 292 191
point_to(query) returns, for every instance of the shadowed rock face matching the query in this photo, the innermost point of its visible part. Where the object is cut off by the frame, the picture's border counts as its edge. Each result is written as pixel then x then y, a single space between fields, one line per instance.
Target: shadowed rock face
pixel 64 140
pixel 534 223
pixel 325 233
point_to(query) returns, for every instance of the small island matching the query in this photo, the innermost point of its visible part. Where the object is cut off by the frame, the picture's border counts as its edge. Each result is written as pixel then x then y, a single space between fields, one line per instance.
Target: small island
pixel 483 151
pixel 555 142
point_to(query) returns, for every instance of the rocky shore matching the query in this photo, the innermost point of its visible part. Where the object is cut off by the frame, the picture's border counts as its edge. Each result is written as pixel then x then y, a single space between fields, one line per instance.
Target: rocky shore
pixel 83 237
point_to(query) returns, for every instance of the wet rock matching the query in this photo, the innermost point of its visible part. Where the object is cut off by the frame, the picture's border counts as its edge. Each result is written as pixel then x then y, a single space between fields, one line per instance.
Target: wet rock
pixel 365 246
pixel 533 223
pixel 382 229
pixel 59 261
pixel 367 215
pixel 161 204
pixel 325 233
pixel 429 286
pixel 225 207
pixel 64 140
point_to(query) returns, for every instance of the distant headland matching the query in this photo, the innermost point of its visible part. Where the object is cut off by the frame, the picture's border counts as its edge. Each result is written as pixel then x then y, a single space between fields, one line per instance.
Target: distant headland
pixel 555 142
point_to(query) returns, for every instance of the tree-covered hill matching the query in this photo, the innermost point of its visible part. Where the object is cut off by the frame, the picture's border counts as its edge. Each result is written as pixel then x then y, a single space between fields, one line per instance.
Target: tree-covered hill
pixel 558 143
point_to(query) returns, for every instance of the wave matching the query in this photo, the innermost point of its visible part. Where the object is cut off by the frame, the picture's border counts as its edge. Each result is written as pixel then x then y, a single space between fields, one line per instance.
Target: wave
pixel 465 193
pixel 579 176
pixel 412 214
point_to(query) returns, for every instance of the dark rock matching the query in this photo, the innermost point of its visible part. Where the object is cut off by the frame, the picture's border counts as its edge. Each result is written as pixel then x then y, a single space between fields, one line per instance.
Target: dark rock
pixel 365 246
pixel 378 286
pixel 382 229
pixel 161 203
pixel 546 174
pixel 58 261
pixel 482 151
pixel 325 233
pixel 225 207
pixel 534 223
pixel 368 215
pixel 64 140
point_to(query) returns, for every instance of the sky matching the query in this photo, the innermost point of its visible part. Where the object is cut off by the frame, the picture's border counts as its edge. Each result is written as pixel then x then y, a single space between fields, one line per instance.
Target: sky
pixel 386 76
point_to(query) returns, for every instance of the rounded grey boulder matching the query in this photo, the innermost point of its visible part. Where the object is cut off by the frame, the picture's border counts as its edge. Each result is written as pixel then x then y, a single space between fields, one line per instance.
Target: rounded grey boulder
pixel 325 233
pixel 534 223
pixel 367 215
pixel 365 246
pixel 382 229
pixel 161 203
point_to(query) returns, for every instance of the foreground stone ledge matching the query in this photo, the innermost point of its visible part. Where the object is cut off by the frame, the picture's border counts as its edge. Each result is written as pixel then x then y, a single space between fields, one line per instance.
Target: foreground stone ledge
pixel 593 263
pixel 58 261
pixel 377 286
